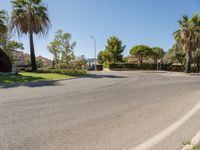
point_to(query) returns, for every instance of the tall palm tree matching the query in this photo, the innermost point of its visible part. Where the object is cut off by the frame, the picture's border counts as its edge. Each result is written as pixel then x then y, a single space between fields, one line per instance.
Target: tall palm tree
pixel 3 27
pixel 188 37
pixel 30 17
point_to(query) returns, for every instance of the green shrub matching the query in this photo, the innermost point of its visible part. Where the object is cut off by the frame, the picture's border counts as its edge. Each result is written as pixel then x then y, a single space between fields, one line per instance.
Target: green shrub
pixel 106 64
pixel 194 69
pixel 58 71
pixel 131 66
pixel 177 68
pixel 148 66
pixel 125 66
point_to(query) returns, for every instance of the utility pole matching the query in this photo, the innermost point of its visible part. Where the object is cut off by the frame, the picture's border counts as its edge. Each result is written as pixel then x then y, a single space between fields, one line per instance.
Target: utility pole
pixel 95 51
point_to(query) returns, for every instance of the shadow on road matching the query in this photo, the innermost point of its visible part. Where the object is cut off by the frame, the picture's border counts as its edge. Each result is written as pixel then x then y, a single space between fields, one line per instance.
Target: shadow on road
pixel 98 76
pixel 31 85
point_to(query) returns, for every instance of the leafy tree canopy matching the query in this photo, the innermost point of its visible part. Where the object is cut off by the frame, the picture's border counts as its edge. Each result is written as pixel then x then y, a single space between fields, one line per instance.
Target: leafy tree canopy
pixel 30 17
pixel 115 49
pixel 3 27
pixel 141 52
pixel 62 47
pixel 157 53
pixel 103 57
pixel 175 55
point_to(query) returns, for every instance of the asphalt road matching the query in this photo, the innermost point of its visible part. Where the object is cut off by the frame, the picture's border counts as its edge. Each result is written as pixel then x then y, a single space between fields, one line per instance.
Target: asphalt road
pixel 109 111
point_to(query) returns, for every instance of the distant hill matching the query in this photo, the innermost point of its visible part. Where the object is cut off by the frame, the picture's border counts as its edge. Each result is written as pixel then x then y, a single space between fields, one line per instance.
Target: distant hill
pixel 22 59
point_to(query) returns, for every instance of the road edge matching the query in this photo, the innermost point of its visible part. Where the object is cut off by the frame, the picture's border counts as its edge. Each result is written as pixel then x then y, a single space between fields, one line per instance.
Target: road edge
pixel 195 140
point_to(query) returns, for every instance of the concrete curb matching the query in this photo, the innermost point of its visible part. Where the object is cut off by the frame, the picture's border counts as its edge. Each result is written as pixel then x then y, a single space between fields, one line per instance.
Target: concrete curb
pixel 194 142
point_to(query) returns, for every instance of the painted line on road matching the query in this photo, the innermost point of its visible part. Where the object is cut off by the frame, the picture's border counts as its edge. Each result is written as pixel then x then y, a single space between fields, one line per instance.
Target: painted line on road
pixel 168 131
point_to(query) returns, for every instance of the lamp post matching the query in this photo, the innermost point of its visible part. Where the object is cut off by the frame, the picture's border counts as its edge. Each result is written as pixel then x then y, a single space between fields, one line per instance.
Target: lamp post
pixel 95 63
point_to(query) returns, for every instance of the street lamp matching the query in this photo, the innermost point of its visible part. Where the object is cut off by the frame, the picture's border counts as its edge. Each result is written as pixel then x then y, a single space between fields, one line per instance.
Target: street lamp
pixel 95 63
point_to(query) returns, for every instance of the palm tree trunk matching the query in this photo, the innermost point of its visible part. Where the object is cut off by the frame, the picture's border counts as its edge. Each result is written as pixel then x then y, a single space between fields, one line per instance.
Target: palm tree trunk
pixel 188 61
pixel 32 51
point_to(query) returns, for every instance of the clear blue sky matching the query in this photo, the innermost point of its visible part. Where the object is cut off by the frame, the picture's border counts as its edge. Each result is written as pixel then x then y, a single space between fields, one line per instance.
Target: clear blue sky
pixel 150 22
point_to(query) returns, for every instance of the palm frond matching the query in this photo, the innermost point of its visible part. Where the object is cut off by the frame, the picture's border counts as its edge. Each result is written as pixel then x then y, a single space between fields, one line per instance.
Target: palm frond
pixel 30 16
pixel 3 27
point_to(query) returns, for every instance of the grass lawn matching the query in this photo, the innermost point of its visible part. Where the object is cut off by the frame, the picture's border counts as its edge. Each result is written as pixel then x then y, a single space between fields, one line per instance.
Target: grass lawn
pixel 25 77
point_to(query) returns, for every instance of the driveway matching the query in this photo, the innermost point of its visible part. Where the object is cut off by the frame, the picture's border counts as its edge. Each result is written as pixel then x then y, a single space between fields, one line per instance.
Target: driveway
pixel 106 111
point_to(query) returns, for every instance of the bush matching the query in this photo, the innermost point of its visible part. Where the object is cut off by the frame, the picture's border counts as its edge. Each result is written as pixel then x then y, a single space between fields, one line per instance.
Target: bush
pixel 123 66
pixel 99 67
pixel 131 66
pixel 148 67
pixel 58 71
pixel 177 68
pixel 194 69
pixel 106 64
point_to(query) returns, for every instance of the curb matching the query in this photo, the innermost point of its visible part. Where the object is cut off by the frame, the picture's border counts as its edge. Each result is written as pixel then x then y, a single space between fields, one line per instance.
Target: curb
pixel 194 142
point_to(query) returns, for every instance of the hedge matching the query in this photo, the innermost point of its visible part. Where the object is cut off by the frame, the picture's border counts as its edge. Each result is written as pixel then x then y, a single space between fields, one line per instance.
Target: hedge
pixel 98 67
pixel 165 67
pixel 129 66
pixel 57 71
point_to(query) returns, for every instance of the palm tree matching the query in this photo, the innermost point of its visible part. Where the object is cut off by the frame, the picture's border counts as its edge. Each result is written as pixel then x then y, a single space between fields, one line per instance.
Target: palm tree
pixel 188 37
pixel 3 27
pixel 30 17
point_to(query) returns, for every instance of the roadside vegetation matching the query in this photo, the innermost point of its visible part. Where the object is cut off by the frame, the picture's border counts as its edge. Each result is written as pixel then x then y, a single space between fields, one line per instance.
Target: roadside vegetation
pixel 197 147
pixel 31 17
pixel 183 56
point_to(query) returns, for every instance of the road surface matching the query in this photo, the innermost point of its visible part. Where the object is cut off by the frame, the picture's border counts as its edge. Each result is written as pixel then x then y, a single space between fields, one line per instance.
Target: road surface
pixel 106 111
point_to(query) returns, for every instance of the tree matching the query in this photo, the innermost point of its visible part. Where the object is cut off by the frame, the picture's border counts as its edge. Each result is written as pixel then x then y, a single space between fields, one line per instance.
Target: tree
pixel 157 53
pixel 62 47
pixel 188 37
pixel 30 17
pixel 13 46
pixel 176 55
pixel 81 62
pixel 3 26
pixel 53 48
pixel 39 63
pixel 141 52
pixel 196 59
pixel 103 56
pixel 7 44
pixel 115 49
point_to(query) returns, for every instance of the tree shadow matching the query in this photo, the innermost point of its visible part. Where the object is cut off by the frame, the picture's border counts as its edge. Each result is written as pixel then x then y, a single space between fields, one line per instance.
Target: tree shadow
pixel 155 71
pixel 33 82
pixel 98 76
pixel 13 81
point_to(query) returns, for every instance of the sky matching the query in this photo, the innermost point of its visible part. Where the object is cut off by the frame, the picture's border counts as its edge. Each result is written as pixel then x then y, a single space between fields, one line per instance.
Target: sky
pixel 150 22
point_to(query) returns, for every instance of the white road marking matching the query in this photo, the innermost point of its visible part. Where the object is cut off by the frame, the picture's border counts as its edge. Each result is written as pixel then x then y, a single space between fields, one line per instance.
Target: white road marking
pixel 166 132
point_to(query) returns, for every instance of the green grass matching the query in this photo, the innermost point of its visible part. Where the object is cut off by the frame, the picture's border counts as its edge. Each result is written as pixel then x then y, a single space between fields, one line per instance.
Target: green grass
pixel 26 77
